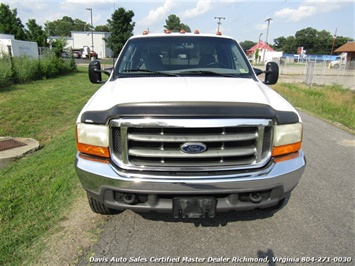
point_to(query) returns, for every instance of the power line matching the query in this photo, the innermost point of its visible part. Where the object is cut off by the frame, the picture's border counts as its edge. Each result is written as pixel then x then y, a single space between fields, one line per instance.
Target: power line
pixel 268 12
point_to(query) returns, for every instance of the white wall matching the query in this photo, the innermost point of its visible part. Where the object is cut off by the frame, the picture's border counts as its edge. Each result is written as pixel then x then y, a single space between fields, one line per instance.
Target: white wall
pixel 81 39
pixel 18 48
pixel 266 55
pixel 273 56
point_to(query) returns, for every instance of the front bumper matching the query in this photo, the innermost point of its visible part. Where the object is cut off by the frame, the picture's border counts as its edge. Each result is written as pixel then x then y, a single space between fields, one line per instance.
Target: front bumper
pixel 110 185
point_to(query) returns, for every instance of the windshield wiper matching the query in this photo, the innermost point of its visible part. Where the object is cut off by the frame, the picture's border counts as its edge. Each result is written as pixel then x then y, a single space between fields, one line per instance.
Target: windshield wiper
pixel 206 73
pixel 151 71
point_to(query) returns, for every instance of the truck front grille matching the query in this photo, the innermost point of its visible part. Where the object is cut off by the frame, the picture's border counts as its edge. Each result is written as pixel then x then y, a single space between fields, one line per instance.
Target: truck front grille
pixel 156 144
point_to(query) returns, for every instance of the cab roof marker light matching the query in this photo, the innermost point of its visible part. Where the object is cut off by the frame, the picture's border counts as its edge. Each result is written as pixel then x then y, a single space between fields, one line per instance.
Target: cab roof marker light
pixel 219 33
pixel 182 31
pixel 145 32
pixel 196 32
pixel 168 31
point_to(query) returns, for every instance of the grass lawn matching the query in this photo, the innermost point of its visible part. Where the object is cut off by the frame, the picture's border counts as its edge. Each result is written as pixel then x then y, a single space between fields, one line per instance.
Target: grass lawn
pixel 331 103
pixel 36 189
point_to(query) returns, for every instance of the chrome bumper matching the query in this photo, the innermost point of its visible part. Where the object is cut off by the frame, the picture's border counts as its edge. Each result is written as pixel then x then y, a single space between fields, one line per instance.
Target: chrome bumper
pixel 102 180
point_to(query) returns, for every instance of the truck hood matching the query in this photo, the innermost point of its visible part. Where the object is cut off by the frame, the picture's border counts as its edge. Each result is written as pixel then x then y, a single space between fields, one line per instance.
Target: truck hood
pixel 184 89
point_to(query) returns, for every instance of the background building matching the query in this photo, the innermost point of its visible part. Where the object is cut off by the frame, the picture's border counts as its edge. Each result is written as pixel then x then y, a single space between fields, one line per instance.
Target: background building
pixel 264 53
pixel 348 48
pixel 81 40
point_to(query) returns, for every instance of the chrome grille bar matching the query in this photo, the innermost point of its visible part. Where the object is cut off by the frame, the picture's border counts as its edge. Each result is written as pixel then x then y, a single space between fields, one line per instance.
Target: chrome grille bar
pixel 154 153
pixel 199 137
pixel 155 144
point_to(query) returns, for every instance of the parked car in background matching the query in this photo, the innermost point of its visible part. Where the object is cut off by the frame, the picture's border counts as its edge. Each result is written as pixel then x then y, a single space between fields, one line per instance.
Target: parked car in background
pixel 77 53
pixel 340 61
pixel 87 54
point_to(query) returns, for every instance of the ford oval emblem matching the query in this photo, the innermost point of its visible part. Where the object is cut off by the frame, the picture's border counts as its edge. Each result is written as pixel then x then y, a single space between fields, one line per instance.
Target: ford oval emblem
pixel 193 148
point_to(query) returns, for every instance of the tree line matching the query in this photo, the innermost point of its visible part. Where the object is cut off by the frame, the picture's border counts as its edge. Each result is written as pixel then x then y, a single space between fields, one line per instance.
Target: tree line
pixel 121 27
pixel 312 41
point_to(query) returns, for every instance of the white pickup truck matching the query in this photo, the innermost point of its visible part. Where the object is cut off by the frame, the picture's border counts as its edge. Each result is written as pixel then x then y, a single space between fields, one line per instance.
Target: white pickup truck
pixel 184 126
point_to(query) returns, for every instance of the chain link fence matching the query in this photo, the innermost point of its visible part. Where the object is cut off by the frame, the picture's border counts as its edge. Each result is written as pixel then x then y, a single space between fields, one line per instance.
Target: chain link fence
pixel 314 72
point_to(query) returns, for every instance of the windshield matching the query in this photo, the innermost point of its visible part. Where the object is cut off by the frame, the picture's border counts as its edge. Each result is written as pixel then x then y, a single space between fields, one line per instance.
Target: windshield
pixel 182 55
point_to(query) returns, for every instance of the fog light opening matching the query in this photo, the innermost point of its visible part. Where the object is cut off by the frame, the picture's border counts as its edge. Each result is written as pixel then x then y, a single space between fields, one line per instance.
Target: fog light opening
pixel 255 197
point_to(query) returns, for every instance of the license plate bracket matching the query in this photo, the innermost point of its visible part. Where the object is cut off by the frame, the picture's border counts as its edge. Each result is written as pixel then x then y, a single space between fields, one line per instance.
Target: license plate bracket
pixel 194 207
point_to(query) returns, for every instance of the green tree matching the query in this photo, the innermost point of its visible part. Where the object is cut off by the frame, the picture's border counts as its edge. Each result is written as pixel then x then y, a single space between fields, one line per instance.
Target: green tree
pixel 312 40
pixel 324 43
pixel 287 45
pixel 102 28
pixel 63 27
pixel 174 24
pixel 10 23
pixel 35 33
pixel 306 38
pixel 58 46
pixel 246 45
pixel 121 27
pixel 185 27
pixel 256 56
pixel 290 46
pixel 279 42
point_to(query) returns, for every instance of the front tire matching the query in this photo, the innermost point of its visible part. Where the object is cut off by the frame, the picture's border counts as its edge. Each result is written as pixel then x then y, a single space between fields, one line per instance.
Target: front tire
pixel 100 208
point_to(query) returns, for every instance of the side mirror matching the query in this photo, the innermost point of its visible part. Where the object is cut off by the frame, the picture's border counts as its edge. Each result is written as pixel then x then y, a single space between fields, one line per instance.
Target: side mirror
pixel 271 73
pixel 258 71
pixel 95 72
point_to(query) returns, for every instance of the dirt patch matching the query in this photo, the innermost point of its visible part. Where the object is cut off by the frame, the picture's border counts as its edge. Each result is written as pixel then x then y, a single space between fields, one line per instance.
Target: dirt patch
pixel 72 237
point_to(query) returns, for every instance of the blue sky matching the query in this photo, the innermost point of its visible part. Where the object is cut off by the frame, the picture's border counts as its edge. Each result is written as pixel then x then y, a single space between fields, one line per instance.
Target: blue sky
pixel 244 20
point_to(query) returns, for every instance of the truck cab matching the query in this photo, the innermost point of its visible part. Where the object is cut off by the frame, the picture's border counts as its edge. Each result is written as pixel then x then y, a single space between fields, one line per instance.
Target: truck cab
pixel 183 125
pixel 340 61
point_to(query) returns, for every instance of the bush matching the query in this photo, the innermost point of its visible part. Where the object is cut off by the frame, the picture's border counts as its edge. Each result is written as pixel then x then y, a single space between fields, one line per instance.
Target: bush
pixel 25 69
pixel 5 71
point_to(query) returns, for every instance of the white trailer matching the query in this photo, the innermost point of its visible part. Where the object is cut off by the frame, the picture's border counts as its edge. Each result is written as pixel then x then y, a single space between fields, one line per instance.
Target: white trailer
pixel 18 48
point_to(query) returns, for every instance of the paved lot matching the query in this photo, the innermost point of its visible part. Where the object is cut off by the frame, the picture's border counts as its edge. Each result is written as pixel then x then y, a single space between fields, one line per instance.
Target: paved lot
pixel 317 222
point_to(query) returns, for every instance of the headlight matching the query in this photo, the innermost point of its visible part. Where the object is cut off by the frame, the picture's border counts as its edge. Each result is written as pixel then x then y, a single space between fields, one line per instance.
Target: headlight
pixel 93 139
pixel 287 139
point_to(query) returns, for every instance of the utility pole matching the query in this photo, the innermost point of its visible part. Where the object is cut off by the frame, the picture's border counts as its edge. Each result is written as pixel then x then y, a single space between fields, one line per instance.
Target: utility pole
pixel 334 37
pixel 268 25
pixel 92 30
pixel 267 35
pixel 219 22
